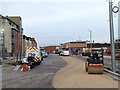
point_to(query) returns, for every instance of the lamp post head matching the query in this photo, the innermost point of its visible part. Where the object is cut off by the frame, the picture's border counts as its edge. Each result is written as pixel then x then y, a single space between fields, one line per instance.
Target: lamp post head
pixel 115 9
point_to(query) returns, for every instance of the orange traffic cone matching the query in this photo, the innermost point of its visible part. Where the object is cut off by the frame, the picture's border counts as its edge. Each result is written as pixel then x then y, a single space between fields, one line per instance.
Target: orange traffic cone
pixel 79 54
pixel 24 68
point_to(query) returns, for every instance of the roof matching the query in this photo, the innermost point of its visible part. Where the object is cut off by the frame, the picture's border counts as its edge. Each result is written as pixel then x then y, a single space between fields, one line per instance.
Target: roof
pixel 8 19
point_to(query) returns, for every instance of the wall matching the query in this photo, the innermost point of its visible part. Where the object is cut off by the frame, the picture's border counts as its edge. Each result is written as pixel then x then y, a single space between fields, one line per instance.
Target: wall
pixel 8 40
pixel 81 45
pixel 99 45
pixel 17 41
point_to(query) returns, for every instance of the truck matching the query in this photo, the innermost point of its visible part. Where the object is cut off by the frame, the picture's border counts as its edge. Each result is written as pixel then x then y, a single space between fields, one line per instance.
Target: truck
pixel 32 57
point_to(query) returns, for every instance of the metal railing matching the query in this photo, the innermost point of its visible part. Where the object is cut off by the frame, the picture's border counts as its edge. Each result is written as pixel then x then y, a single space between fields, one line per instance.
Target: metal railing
pixel 114 75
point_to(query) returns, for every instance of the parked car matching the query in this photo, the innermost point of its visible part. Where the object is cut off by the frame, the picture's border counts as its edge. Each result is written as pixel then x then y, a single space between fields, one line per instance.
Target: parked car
pixel 44 54
pixel 64 53
pixel 56 52
pixel 48 52
pixel 53 52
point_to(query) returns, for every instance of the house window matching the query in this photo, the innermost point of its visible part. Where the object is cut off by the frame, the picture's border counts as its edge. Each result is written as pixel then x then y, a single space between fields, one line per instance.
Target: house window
pixel 12 31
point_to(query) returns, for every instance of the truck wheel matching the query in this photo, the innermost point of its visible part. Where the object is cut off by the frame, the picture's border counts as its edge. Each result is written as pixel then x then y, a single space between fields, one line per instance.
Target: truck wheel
pixel 82 54
pixel 38 63
pixel 41 59
pixel 31 67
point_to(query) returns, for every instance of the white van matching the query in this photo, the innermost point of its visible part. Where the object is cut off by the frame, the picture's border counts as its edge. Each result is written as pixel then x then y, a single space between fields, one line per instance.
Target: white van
pixel 64 53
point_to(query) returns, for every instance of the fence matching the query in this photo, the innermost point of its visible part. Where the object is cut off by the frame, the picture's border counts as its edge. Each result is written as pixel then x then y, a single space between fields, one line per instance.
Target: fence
pixel 11 57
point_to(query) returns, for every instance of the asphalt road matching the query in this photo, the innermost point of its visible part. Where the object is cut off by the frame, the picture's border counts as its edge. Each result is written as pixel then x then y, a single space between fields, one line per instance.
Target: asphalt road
pixel 39 77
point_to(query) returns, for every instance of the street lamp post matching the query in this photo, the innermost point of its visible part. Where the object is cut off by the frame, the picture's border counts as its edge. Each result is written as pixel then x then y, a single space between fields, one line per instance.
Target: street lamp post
pixel 90 40
pixel 111 10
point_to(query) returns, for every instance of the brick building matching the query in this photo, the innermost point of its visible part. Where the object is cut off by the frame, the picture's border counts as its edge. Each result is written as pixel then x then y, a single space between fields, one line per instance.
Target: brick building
pixel 17 41
pixel 74 46
pixel 104 45
pixel 11 35
pixel 50 48
pixel 18 34
pixel 99 45
pixel 77 44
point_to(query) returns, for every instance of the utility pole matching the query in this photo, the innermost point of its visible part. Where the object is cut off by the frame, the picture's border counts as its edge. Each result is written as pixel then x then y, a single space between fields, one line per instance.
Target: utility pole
pixel 113 60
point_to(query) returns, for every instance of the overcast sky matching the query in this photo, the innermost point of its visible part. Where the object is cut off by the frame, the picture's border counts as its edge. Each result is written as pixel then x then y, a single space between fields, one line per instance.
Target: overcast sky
pixel 52 22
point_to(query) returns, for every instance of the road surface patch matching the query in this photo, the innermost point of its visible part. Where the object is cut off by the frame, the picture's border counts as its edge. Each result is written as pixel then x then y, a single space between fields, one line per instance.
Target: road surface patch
pixel 73 75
